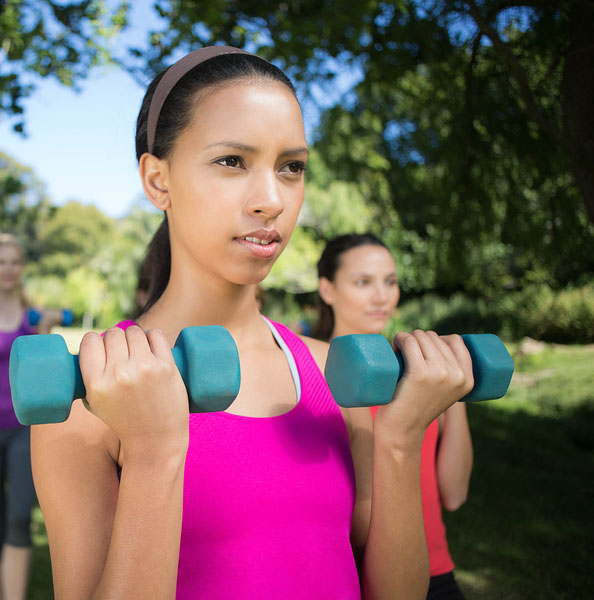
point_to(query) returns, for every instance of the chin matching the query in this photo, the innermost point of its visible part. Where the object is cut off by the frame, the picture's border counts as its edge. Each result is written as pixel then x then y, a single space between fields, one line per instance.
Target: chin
pixel 250 276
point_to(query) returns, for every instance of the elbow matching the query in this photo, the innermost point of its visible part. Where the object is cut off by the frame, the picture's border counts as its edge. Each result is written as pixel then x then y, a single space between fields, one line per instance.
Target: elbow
pixel 453 502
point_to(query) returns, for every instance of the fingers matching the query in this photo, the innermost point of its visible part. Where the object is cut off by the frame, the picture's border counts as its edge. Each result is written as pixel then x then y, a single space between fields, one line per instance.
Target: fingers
pixel 159 345
pixel 437 358
pixel 460 351
pixel 118 347
pixel 91 355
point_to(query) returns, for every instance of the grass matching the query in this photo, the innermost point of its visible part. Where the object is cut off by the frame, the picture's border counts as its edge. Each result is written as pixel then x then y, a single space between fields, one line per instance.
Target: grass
pixel 527 529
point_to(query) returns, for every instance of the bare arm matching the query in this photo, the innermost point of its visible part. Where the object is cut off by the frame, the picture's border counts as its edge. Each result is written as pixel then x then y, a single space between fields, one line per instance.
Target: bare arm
pixel 438 373
pixel 49 318
pixel 454 457
pixel 388 535
pixel 108 538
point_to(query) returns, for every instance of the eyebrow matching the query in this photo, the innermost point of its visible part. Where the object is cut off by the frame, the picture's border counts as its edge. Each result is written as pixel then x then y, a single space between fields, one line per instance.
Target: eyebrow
pixel 253 150
pixel 364 274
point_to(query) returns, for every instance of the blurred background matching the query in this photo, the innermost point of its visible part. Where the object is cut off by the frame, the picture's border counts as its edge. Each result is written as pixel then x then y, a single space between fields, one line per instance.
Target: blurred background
pixel 461 132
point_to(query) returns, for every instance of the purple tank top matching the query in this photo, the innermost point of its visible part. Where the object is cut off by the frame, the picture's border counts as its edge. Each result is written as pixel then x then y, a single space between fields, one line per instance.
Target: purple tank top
pixel 8 419
pixel 268 502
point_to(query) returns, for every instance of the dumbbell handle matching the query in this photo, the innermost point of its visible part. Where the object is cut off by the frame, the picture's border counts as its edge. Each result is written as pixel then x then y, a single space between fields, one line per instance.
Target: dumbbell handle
pixel 79 386
pixel 489 383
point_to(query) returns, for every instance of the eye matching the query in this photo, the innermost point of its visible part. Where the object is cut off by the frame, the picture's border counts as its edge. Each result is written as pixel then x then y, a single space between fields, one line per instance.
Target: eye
pixel 295 167
pixel 392 282
pixel 232 162
pixel 361 282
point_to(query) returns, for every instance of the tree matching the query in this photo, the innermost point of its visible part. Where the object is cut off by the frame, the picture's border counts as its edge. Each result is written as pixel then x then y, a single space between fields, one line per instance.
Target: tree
pixel 23 204
pixel 43 38
pixel 471 119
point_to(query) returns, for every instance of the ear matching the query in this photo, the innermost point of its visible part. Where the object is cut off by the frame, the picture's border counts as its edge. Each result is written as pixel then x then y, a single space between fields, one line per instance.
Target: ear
pixel 326 290
pixel 154 174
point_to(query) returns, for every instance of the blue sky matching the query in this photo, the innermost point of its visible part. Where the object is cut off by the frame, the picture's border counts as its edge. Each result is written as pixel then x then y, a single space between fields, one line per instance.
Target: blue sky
pixel 81 145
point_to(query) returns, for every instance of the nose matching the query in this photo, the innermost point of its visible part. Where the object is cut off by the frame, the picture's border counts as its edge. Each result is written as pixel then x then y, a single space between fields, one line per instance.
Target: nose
pixel 380 293
pixel 265 196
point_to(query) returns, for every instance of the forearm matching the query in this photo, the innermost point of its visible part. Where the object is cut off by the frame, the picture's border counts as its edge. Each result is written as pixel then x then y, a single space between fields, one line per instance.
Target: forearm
pixel 396 563
pixel 454 457
pixel 144 548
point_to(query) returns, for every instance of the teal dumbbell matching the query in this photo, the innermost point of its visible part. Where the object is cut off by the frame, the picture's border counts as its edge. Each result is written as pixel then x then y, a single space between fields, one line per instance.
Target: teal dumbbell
pixel 363 369
pixel 34 316
pixel 45 378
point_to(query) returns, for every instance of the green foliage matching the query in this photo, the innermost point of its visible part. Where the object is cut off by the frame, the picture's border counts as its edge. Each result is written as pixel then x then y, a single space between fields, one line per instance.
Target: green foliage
pixel 565 316
pixel 537 311
pixel 470 121
pixel 23 204
pixel 89 262
pixel 43 38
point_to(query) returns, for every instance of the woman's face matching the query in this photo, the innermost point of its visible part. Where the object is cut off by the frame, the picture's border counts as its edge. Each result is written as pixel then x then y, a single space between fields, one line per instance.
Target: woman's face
pixel 364 292
pixel 11 267
pixel 235 181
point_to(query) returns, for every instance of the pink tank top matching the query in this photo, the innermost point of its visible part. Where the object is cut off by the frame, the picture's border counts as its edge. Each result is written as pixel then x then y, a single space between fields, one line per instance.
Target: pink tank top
pixel 268 502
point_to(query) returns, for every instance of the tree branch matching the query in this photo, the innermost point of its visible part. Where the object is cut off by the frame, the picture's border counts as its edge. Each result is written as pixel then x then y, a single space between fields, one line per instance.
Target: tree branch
pixel 519 74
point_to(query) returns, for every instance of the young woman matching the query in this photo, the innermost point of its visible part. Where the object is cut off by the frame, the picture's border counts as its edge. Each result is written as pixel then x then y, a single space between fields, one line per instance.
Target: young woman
pixel 18 494
pixel 358 288
pixel 274 497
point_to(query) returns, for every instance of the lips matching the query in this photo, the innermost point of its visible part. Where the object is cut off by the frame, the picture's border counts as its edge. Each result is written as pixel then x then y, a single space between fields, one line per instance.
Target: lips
pixel 263 237
pixel 261 243
pixel 377 314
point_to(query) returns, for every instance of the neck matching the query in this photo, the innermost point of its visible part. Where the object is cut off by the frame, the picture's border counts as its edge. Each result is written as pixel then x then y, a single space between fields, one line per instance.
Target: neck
pixel 187 302
pixel 11 298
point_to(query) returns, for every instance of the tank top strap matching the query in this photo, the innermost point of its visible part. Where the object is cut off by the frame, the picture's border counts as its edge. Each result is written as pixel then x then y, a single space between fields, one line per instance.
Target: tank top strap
pixel 314 389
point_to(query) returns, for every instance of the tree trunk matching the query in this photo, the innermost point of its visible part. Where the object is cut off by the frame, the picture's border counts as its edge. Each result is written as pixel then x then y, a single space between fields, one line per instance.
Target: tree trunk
pixel 578 103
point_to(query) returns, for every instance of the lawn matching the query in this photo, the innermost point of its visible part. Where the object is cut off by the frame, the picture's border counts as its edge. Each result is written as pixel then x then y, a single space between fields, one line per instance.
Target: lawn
pixel 527 530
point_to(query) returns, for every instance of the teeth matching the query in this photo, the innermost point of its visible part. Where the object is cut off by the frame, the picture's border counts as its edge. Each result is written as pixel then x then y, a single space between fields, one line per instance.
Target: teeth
pixel 257 241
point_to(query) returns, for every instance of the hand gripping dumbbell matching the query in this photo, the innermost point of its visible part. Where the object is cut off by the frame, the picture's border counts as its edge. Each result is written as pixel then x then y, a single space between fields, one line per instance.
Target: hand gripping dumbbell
pixel 363 369
pixel 45 378
pixel 34 316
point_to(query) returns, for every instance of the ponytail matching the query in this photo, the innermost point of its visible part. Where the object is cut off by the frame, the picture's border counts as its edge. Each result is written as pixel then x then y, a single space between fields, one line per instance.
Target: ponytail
pixel 325 324
pixel 157 264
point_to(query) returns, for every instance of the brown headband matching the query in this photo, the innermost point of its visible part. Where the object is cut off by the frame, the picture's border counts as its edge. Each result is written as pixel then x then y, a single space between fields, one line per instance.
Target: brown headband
pixel 172 76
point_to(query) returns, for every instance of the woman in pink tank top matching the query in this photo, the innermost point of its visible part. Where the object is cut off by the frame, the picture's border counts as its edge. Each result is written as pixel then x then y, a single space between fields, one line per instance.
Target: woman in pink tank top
pixel 358 285
pixel 284 495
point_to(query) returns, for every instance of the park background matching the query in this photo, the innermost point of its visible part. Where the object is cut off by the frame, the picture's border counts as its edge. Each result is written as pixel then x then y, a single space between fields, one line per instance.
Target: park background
pixel 460 132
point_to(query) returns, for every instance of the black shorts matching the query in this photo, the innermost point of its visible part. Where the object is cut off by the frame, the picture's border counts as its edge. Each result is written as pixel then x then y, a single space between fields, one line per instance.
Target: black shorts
pixel 444 587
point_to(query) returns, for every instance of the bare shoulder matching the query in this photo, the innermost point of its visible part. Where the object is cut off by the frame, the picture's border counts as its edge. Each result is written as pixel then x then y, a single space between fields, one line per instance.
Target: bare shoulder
pixel 318 349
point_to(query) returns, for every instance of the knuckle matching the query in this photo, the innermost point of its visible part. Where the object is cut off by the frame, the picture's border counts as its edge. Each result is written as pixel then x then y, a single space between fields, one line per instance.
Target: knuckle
pixel 96 388
pixel 122 376
pixel 459 377
pixel 469 383
pixel 440 374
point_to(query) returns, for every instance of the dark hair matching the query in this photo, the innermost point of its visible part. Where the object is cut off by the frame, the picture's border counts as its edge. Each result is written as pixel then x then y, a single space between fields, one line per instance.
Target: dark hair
pixel 328 265
pixel 175 116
